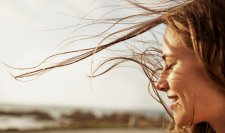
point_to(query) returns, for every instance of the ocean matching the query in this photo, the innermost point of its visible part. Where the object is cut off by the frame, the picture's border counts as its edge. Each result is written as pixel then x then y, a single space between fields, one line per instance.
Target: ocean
pixel 14 119
pixel 95 131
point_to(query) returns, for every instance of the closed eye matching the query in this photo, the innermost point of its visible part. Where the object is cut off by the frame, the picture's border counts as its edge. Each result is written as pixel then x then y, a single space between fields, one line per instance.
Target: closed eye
pixel 169 67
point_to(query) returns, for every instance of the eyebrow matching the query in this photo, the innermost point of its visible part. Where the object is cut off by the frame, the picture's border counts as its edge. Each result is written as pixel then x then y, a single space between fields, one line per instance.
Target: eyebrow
pixel 164 56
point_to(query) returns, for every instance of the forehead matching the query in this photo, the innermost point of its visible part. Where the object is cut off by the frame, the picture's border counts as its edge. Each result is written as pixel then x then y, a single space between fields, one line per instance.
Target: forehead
pixel 172 43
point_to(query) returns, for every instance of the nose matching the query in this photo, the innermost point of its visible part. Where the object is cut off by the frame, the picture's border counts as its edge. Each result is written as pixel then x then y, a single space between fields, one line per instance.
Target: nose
pixel 162 83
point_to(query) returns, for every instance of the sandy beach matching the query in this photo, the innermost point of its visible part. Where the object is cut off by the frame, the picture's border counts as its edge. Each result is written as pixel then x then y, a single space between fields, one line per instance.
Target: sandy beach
pixel 95 131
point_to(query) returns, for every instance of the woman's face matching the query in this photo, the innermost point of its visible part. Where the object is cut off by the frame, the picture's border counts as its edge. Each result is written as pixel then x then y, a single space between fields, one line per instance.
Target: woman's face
pixel 185 82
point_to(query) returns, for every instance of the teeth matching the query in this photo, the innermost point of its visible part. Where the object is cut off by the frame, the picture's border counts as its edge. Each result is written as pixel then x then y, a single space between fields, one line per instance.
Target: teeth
pixel 174 100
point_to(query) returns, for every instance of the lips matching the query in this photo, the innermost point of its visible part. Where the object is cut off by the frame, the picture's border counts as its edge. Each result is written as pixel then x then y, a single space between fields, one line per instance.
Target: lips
pixel 174 101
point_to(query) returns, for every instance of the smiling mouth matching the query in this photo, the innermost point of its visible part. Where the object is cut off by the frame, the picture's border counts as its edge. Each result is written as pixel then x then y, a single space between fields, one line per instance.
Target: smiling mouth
pixel 174 101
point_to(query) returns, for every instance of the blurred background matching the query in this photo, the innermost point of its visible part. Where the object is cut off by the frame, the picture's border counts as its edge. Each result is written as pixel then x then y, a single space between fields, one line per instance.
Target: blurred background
pixel 66 98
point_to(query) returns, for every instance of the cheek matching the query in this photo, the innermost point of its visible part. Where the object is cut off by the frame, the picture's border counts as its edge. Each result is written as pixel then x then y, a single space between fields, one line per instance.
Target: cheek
pixel 184 111
pixel 187 83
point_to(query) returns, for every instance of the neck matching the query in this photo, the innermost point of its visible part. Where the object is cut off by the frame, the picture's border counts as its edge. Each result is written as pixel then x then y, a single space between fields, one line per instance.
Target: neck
pixel 219 127
pixel 219 119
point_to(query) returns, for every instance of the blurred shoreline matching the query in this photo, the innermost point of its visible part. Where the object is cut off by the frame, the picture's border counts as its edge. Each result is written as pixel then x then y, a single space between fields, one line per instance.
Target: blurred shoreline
pixel 119 130
pixel 45 119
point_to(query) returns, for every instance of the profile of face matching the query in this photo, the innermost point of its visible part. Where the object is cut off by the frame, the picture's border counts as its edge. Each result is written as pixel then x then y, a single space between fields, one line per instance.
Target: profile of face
pixel 191 92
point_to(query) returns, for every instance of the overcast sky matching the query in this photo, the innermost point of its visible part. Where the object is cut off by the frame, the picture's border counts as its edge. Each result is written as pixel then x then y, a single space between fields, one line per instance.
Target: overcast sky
pixel 27 38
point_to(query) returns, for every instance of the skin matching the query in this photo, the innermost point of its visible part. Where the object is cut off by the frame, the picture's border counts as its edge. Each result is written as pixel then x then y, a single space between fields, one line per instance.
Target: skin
pixel 194 97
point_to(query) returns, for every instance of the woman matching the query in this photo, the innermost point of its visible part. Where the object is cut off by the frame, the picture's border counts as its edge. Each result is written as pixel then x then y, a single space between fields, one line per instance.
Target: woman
pixel 194 56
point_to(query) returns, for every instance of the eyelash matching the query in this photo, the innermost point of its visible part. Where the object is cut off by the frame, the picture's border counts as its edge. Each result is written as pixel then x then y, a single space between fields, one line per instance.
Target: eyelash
pixel 169 67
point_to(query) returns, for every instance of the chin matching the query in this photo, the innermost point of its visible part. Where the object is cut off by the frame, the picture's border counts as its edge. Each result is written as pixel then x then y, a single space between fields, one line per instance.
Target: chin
pixel 183 118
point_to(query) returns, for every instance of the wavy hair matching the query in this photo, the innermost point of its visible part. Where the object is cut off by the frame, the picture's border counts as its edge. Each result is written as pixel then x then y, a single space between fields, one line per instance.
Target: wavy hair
pixel 200 25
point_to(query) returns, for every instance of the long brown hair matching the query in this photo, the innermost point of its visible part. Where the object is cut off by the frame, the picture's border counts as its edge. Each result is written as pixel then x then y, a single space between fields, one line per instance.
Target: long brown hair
pixel 201 26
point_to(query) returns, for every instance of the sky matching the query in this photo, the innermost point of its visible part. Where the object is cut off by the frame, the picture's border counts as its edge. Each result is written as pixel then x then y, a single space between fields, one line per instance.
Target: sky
pixel 31 30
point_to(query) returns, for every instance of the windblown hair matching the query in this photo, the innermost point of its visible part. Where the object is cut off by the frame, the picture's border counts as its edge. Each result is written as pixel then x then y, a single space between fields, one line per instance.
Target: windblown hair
pixel 200 25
